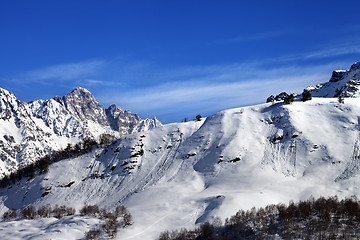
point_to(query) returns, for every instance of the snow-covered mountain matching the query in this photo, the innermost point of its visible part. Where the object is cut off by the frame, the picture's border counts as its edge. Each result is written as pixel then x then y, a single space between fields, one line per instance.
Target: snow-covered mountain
pixel 183 174
pixel 29 131
pixel 344 83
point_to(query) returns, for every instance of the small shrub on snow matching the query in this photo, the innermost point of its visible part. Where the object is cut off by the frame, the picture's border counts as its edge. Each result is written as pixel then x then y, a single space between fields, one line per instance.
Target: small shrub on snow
pixel 29 212
pixel 93 233
pixel 120 210
pixel 165 236
pixel 110 227
pixel 341 99
pixel 127 219
pixel 112 222
pixel 306 95
pixel 45 211
pixel 289 99
pixel 61 211
pixel 11 214
pixel 90 210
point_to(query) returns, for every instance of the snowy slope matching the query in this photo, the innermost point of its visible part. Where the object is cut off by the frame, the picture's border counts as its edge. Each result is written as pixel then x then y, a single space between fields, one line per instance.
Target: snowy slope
pixel 183 174
pixel 29 131
pixel 72 227
pixel 343 83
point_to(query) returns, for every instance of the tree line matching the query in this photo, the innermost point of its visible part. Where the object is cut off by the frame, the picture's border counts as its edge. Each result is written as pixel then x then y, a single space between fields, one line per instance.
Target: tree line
pixel 323 218
pixel 119 217
pixel 42 165
pixel 305 96
pixel 113 218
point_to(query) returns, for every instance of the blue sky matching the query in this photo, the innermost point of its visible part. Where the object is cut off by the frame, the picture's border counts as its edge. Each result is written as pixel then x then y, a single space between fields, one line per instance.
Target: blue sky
pixel 174 59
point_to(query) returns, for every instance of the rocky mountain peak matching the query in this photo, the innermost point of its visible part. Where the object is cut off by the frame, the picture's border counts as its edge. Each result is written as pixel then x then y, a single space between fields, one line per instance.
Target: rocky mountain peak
pixel 355 66
pixel 345 83
pixel 7 96
pixel 114 109
pixel 125 122
pixel 4 92
pixel 43 126
pixel 83 104
pixel 8 104
pixel 338 75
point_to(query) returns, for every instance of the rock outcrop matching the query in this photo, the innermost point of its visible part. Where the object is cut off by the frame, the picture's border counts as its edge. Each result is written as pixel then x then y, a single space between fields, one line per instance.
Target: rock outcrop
pixel 344 83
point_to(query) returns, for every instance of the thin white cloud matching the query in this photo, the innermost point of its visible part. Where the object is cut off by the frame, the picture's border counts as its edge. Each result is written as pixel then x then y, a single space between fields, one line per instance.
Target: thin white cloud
pixel 326 52
pixel 66 72
pixel 258 36
pixel 332 52
pixel 149 89
pixel 97 83
pixel 93 82
pixel 206 95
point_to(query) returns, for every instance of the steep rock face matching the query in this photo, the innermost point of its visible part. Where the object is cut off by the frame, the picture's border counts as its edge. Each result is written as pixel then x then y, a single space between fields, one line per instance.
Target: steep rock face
pixel 338 75
pixel 125 122
pixel 82 104
pixel 19 134
pixel 121 120
pixel 8 104
pixel 355 66
pixel 344 83
pixel 29 131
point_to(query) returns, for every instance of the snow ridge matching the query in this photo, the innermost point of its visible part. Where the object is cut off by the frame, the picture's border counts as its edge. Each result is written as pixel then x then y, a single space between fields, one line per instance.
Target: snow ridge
pixel 344 83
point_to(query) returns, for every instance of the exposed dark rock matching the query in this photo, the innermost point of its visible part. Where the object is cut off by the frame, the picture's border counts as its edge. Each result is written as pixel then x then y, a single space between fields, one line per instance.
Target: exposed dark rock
pixel 337 75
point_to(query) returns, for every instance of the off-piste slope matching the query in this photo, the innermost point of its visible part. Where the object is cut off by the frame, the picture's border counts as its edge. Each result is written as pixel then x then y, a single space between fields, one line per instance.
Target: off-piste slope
pixel 187 173
pixel 344 83
pixel 30 131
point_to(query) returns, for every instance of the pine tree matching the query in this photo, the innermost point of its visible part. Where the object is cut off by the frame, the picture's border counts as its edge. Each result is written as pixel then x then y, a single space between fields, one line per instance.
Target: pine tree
pixel 306 95
pixel 289 99
pixel 340 99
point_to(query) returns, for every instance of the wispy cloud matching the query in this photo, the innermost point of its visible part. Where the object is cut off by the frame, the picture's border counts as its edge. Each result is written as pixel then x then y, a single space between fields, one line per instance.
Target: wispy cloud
pixel 206 94
pixel 170 93
pixel 332 52
pixel 94 82
pixel 97 83
pixel 258 36
pixel 66 72
pixel 350 47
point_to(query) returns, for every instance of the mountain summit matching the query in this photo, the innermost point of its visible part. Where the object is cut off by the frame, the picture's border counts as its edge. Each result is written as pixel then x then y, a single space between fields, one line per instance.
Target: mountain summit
pixel 29 131
pixel 82 104
pixel 344 83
